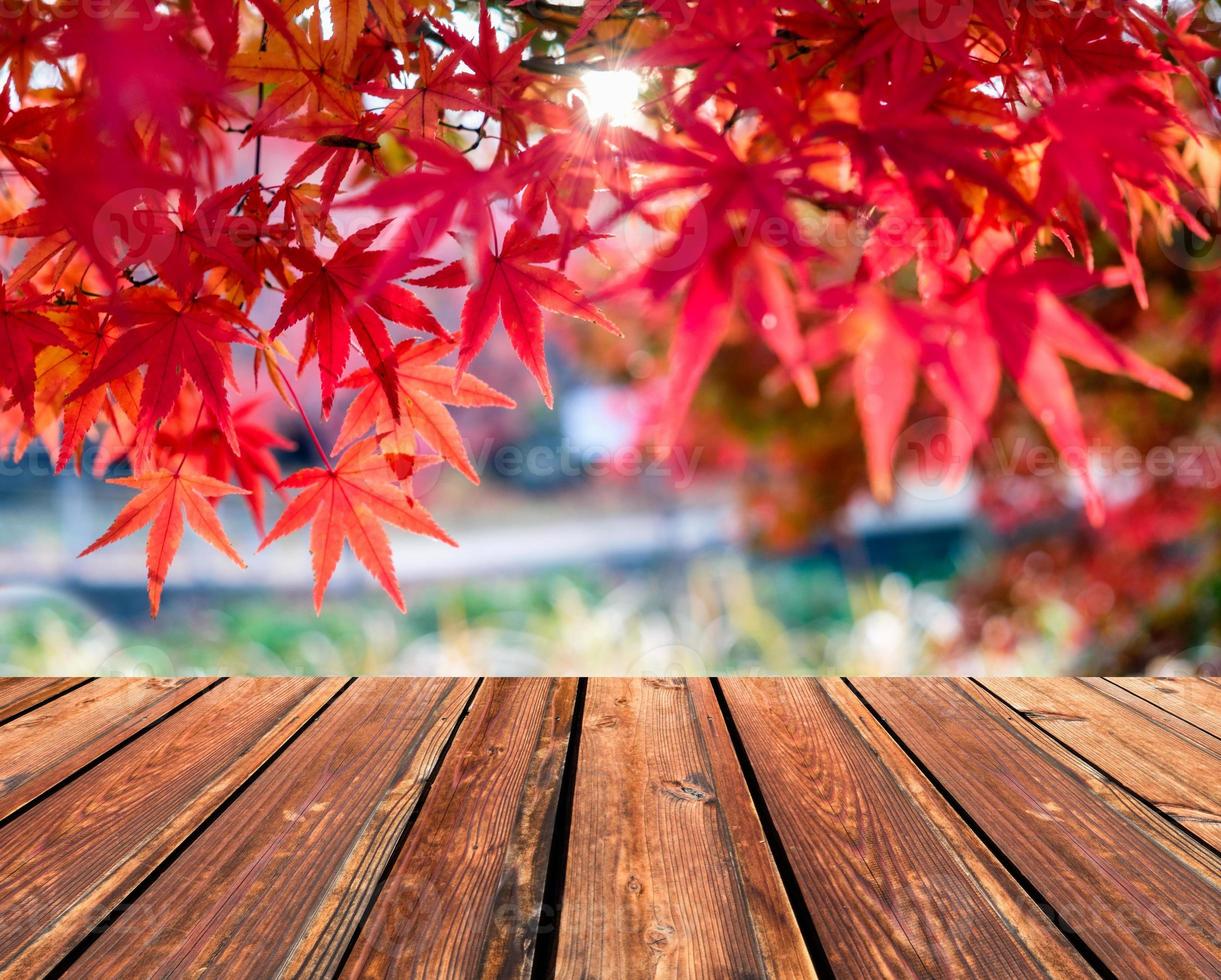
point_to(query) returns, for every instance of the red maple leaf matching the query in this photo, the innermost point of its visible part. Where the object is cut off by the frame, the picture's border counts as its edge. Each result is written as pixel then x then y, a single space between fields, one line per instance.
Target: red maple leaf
pixel 304 70
pixel 1033 329
pixel 726 42
pixel 752 278
pixel 25 40
pixel 592 14
pixel 334 142
pixel 342 298
pixel 174 338
pixel 207 450
pixel 22 137
pixel 164 497
pixel 90 336
pixel 514 287
pixel 497 76
pixel 742 197
pixel 24 331
pixel 450 191
pixel 424 389
pixel 418 109
pixel 346 503
pixel 1104 140
pixel 206 235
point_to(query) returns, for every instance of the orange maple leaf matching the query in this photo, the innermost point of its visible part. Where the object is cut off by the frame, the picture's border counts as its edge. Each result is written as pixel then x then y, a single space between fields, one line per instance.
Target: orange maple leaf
pixel 424 389
pixel 345 503
pixel 304 70
pixel 164 497
pixel 515 288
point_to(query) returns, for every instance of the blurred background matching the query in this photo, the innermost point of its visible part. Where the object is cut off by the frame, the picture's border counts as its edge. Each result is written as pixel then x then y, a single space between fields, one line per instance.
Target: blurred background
pixel 755 547
pixel 752 548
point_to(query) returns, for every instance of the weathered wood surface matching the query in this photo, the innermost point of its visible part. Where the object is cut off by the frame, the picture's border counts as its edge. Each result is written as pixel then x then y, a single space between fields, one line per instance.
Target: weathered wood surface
pixel 657 884
pixel 1196 703
pixel 906 888
pixel 609 828
pixel 18 694
pixel 88 721
pixel 1143 748
pixel 463 896
pixel 68 861
pixel 254 896
pixel 1140 909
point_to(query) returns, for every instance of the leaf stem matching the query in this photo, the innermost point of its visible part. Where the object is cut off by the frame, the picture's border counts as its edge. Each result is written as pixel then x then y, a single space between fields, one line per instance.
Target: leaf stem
pixel 309 426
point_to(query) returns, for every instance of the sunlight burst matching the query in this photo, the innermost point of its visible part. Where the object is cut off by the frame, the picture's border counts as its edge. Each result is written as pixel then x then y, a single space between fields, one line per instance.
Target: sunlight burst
pixel 611 95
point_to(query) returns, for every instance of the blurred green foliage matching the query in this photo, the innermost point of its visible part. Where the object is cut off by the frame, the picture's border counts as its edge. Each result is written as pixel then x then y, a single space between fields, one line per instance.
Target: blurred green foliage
pixel 714 615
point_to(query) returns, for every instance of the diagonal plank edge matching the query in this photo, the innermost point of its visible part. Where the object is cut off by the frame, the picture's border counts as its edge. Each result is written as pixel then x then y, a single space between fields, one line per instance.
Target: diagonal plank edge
pixel 311 834
pixel 69 860
pixel 88 721
pixel 463 897
pixel 1189 698
pixel 18 694
pixel 1158 759
pixel 895 882
pixel 1138 906
pixel 656 884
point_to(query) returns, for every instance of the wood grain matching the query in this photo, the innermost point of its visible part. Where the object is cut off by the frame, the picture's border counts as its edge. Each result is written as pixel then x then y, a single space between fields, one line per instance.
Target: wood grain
pixel 68 861
pixel 51 742
pixel 309 838
pixel 896 883
pixel 1154 758
pixel 656 883
pixel 17 694
pixel 1160 716
pixel 397 827
pixel 463 898
pixel 1140 908
pixel 1185 697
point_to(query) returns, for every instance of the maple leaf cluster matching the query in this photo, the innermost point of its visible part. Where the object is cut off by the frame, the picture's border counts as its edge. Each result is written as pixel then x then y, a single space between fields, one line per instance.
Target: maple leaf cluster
pixel 848 185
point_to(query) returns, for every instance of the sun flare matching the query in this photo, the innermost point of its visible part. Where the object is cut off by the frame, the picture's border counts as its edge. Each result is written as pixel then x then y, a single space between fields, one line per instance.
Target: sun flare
pixel 612 95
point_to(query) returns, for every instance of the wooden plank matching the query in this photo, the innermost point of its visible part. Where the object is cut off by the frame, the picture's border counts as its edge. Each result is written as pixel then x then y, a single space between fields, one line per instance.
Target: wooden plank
pixel 668 874
pixel 464 896
pixel 1142 908
pixel 1168 769
pixel 1191 698
pixel 310 838
pixel 68 861
pixel 1160 716
pixel 20 693
pixel 45 746
pixel 894 880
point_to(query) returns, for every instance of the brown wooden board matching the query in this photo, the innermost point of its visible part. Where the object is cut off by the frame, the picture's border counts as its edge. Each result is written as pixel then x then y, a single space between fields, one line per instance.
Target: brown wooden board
pixel 1160 716
pixel 432 827
pixel 666 872
pixel 66 862
pixel 463 897
pixel 50 743
pixel 1188 698
pixel 1141 909
pixel 277 884
pixel 895 882
pixel 18 694
pixel 1148 755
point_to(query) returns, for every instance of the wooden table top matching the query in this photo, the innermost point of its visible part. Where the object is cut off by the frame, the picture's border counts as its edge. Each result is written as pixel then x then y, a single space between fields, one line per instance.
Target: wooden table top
pixel 610 828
